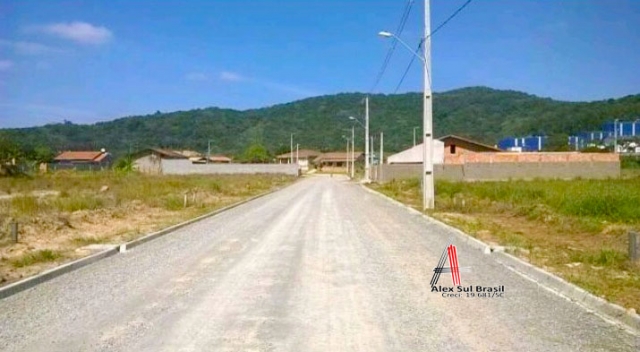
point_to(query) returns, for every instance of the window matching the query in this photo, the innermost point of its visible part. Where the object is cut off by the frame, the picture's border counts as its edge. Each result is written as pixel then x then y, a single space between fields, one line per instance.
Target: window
pixel 452 149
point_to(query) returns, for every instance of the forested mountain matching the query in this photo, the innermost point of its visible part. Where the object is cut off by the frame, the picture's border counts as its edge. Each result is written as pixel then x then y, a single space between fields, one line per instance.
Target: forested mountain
pixel 479 113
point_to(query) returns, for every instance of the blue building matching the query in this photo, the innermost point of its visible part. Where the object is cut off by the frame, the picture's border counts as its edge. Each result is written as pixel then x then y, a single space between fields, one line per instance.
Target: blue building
pixel 621 129
pixel 525 144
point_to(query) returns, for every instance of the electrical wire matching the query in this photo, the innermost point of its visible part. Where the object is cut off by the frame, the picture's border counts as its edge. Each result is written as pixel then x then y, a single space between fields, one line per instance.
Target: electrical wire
pixel 413 57
pixel 387 59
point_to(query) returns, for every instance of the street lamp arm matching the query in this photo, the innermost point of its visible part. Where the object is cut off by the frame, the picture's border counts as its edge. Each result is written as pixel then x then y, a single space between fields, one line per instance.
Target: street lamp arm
pixel 391 35
pixel 358 121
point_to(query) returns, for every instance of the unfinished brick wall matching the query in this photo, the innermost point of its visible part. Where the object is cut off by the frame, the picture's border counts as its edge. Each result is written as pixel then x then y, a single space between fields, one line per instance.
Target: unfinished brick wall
pixel 551 157
pixel 515 166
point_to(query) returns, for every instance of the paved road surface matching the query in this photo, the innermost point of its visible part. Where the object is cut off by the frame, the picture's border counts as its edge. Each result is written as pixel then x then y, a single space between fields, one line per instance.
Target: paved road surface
pixel 320 266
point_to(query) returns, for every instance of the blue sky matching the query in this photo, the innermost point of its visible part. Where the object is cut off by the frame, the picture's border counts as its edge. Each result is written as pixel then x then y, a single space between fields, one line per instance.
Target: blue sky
pixel 95 60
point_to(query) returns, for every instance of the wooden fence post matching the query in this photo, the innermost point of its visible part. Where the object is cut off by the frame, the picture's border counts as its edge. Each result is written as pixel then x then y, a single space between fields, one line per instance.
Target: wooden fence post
pixel 634 250
pixel 14 232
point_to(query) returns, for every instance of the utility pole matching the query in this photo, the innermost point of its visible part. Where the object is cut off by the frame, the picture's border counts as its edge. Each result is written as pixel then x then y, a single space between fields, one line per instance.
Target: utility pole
pixel 297 153
pixel 347 157
pixel 414 136
pixel 353 153
pixel 371 153
pixel 291 151
pixel 208 150
pixel 381 158
pixel 367 173
pixel 428 188
pixel 615 135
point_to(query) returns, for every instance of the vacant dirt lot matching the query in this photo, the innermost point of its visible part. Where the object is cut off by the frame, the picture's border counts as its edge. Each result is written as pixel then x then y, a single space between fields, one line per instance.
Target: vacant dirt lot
pixel 67 215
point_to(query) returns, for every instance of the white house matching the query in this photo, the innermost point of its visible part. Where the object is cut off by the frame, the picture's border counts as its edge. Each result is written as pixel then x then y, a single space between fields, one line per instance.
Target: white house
pixel 413 155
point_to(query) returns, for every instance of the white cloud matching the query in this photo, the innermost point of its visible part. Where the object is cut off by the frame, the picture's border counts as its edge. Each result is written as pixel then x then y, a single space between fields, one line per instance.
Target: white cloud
pixel 80 32
pixel 231 77
pixel 29 48
pixel 5 65
pixel 196 77
pixel 288 88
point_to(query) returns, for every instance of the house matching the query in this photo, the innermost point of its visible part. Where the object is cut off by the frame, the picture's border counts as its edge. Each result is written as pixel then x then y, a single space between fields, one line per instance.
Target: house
pixel 456 148
pixel 83 160
pixel 189 153
pixel 303 156
pixel 150 160
pixel 336 161
pixel 445 150
pixel 413 155
pixel 467 160
pixel 213 159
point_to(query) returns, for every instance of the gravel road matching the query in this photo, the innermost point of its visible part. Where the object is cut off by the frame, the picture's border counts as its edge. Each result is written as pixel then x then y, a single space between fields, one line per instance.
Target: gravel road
pixel 322 265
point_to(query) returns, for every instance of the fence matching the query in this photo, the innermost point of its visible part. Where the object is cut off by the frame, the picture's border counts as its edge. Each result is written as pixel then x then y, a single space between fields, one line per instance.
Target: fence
pixel 78 167
pixel 499 171
pixel 186 167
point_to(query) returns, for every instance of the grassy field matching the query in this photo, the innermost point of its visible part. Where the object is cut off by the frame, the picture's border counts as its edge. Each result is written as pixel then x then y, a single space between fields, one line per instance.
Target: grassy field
pixel 577 229
pixel 63 215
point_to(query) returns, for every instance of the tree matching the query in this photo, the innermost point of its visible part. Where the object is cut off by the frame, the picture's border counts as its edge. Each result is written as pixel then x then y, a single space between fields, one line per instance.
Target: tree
pixel 480 113
pixel 9 150
pixel 125 164
pixel 39 154
pixel 9 154
pixel 256 153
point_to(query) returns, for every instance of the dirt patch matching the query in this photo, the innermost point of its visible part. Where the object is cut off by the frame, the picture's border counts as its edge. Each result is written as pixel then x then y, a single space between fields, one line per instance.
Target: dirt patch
pixel 78 214
pixel 72 234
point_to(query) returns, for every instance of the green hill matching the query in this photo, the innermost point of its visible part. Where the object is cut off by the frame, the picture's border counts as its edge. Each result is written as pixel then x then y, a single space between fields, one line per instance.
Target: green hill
pixel 480 113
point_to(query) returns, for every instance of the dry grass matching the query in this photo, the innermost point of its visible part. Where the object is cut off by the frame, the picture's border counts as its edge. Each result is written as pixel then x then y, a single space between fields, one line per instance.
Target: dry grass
pixel 41 256
pixel 63 212
pixel 577 229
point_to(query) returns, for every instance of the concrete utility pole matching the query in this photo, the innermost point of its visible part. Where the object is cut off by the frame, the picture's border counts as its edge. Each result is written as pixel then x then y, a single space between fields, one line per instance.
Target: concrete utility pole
pixel 428 193
pixel 297 154
pixel 414 136
pixel 372 153
pixel 353 153
pixel 291 151
pixel 208 150
pixel 367 174
pixel 347 157
pixel 428 188
pixel 380 160
pixel 615 135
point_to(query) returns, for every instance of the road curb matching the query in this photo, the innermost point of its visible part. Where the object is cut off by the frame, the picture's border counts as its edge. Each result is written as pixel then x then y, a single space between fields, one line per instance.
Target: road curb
pixel 604 309
pixel 45 276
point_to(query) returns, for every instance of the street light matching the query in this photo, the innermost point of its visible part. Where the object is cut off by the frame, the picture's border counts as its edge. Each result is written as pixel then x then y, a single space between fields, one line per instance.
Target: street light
pixel 367 177
pixel 428 192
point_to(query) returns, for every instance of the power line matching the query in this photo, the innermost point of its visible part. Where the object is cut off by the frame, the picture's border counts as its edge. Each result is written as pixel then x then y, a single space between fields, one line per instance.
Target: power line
pixel 399 30
pixel 413 57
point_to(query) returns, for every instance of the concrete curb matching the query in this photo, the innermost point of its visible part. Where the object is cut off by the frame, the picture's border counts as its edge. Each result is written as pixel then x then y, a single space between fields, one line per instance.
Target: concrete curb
pixel 32 281
pixel 29 282
pixel 606 310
